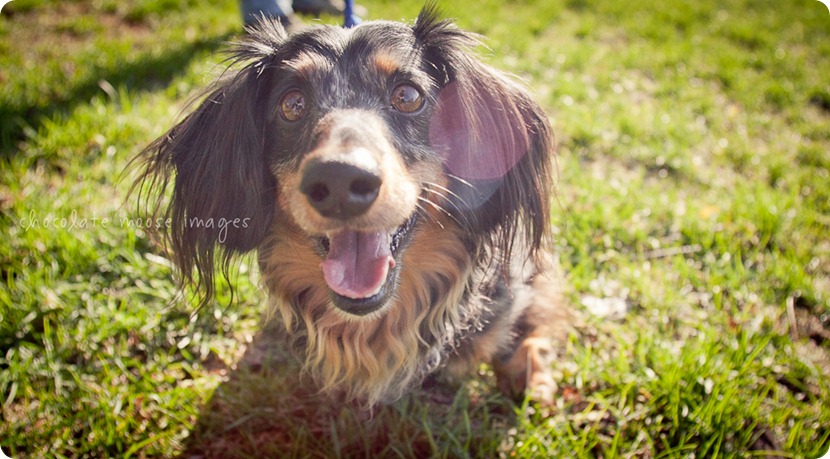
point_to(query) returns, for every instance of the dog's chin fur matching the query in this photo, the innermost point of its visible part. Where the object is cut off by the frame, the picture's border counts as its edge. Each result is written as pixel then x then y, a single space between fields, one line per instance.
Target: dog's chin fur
pixel 373 358
pixel 471 166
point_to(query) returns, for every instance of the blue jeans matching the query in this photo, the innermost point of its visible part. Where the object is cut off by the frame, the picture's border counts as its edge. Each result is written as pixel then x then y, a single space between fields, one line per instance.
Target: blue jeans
pixel 254 9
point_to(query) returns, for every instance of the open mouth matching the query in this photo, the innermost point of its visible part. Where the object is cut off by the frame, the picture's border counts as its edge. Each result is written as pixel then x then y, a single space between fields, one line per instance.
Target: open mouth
pixel 360 268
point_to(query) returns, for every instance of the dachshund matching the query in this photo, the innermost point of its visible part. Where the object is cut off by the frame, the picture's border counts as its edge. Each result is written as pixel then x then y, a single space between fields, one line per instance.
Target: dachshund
pixel 397 192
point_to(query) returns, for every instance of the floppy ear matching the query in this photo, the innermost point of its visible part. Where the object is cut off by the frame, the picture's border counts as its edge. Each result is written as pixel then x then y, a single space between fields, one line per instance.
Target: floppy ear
pixel 223 193
pixel 495 139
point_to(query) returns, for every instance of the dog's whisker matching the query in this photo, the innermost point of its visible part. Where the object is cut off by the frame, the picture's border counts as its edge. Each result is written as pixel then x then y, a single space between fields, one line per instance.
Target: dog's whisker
pixel 425 212
pixel 458 202
pixel 436 188
pixel 436 207
pixel 461 180
pixel 439 191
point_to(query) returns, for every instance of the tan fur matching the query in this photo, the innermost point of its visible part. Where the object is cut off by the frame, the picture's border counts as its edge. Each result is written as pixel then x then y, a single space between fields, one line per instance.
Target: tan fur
pixel 306 65
pixel 385 64
pixel 396 200
pixel 378 358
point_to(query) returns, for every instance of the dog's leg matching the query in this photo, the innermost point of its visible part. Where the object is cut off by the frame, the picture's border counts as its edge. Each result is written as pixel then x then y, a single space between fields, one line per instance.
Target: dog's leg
pixel 539 331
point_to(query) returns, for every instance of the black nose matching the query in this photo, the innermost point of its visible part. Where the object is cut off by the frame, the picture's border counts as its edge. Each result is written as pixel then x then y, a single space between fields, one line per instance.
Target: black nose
pixel 340 190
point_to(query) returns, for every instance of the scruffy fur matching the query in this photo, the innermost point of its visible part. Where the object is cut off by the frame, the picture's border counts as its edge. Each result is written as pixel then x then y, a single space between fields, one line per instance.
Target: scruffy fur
pixel 455 171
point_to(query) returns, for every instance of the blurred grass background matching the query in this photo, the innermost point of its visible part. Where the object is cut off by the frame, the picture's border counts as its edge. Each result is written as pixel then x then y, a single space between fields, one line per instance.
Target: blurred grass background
pixel 694 154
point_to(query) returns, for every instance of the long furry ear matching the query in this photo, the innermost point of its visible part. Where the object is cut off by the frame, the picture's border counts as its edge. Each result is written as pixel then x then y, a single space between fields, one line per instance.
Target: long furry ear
pixel 496 141
pixel 223 194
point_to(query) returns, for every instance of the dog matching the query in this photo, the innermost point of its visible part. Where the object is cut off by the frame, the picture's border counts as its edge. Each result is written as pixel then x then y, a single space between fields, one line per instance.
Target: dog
pixel 397 192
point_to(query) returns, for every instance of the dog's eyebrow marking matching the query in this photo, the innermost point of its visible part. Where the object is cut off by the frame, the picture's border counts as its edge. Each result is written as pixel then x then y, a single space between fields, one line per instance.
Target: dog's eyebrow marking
pixel 307 64
pixel 386 64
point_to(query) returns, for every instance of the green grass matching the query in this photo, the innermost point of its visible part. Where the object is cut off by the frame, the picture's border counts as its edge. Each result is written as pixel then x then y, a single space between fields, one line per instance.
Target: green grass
pixel 694 186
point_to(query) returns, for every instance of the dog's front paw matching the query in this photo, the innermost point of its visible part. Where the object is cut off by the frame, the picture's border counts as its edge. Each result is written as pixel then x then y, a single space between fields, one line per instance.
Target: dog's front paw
pixel 541 387
pixel 528 372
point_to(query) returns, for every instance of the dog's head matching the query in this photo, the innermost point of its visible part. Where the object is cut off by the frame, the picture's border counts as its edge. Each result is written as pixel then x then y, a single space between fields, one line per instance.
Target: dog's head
pixel 355 139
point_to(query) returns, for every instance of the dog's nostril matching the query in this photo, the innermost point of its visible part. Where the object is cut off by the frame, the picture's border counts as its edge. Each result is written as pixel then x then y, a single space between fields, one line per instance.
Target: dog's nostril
pixel 318 192
pixel 365 186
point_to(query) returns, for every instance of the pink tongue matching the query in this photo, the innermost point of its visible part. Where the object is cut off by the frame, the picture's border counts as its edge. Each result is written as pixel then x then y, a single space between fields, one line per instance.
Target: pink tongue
pixel 357 263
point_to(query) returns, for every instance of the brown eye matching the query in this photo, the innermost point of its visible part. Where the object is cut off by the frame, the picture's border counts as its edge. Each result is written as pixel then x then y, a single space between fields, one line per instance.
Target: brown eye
pixel 407 99
pixel 292 105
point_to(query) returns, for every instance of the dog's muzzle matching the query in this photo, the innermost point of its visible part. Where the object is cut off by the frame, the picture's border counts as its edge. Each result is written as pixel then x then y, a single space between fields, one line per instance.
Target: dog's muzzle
pixel 359 265
pixel 360 203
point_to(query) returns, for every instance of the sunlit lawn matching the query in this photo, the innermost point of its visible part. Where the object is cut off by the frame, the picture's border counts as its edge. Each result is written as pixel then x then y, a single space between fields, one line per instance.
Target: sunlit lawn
pixel 693 189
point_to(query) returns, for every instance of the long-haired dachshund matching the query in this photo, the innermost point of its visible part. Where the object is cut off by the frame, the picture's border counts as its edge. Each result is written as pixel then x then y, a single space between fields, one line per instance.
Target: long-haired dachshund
pixel 397 192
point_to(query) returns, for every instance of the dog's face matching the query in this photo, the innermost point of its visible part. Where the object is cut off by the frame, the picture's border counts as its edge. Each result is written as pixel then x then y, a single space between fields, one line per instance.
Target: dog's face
pixel 364 119
pixel 373 169
pixel 353 108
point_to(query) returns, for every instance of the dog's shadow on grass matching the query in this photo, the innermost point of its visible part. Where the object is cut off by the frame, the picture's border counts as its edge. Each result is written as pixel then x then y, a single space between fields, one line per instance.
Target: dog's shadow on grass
pixel 266 408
